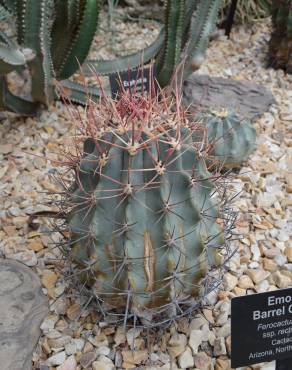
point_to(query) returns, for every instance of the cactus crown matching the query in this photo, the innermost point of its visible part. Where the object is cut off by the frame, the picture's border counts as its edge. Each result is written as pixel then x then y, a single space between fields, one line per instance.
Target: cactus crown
pixel 142 213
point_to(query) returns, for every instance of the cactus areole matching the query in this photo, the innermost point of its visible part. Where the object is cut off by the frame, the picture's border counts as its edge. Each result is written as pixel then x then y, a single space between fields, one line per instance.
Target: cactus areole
pixel 143 213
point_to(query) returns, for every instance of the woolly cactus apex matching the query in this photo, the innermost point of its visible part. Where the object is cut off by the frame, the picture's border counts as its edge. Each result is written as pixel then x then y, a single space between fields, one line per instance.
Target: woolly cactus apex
pixel 144 211
pixel 231 139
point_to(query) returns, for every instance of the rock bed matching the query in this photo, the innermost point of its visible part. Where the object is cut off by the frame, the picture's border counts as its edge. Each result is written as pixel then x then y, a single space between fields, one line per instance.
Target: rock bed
pixel 74 338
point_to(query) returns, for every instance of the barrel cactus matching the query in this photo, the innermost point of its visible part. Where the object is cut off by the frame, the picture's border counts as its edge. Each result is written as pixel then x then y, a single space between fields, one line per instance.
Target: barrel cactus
pixel 231 139
pixel 143 211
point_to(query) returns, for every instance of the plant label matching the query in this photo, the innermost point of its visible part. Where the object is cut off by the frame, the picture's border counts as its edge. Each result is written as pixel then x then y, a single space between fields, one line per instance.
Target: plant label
pixel 261 327
pixel 140 80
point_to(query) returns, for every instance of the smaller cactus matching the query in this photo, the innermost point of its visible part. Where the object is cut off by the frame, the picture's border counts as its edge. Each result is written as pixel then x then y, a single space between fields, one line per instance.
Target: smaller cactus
pixel 231 139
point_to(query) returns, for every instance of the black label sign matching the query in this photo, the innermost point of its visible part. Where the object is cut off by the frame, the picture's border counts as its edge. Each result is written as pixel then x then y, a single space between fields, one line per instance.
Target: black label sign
pixel 138 80
pixel 261 327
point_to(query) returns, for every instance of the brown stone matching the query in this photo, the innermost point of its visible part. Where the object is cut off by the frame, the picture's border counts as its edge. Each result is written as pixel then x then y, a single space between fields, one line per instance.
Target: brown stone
pixel 269 265
pixel 288 253
pixel 49 279
pixel 36 245
pixel 202 361
pixel 73 311
pixel 87 359
pixel 134 357
pixel 257 275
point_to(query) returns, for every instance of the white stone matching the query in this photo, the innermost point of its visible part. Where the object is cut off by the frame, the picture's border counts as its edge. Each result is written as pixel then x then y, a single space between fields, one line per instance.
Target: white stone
pixel 186 360
pixel 131 335
pixel 103 350
pixel 75 345
pixel 265 200
pixel 219 347
pixel 211 338
pixel 253 265
pixel 120 335
pixel 28 258
pixel 197 322
pixel 205 332
pixel 256 254
pixel 57 359
pixel 245 282
pixel 195 340
pixel 225 330
pixel 282 281
pixel 48 324
pixel 103 363
pixel 230 281
pixel 257 275
pixel 262 287
pixel 222 318
pixel 176 344
pixel 269 366
pixel 280 260
pixel 69 364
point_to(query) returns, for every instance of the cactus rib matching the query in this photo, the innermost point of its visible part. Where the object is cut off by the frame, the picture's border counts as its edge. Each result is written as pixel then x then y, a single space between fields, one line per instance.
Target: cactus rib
pixel 79 47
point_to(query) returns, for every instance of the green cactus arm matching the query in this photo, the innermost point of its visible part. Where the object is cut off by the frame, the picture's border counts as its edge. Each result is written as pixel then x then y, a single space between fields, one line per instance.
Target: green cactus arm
pixel 191 6
pixel 74 8
pixel 80 46
pixel 35 34
pixel 201 26
pixel 13 103
pixel 169 55
pixel 9 59
pixel 66 22
pixel 20 11
pixel 10 56
pixel 78 93
pixel 103 67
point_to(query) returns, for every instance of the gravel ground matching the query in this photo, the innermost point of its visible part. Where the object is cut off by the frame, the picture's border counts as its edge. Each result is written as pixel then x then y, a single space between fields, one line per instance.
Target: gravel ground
pixel 72 336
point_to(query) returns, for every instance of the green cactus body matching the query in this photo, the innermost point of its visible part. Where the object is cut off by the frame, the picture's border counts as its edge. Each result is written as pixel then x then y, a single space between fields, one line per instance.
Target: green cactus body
pixel 142 219
pixel 231 139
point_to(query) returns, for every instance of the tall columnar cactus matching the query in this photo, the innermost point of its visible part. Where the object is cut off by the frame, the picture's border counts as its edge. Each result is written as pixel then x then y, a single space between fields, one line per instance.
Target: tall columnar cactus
pixel 60 33
pixel 230 138
pixel 188 27
pixel 182 41
pixel 142 216
pixel 281 40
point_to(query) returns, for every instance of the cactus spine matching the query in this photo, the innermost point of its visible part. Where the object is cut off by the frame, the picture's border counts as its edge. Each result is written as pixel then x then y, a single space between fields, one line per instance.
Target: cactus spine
pixel 141 213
